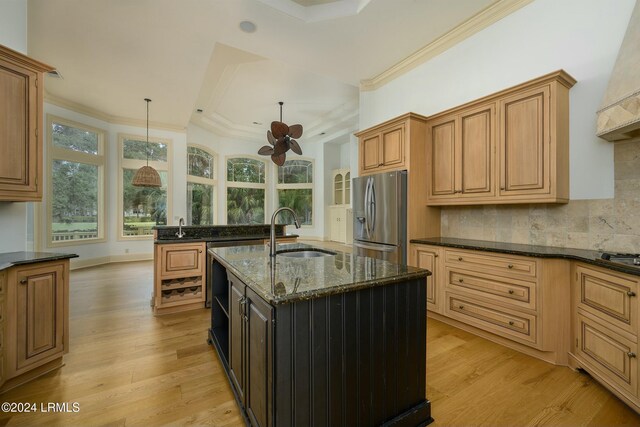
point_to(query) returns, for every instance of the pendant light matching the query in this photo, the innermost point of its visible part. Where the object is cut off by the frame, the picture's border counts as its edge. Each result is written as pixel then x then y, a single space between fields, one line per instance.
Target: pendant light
pixel 147 176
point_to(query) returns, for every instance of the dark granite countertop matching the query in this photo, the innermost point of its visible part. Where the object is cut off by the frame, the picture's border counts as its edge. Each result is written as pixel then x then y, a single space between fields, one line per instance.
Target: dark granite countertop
pixel 10 259
pixel 295 279
pixel 217 233
pixel 584 255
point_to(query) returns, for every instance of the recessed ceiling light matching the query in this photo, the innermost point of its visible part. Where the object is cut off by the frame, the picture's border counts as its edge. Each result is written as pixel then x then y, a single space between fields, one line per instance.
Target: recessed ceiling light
pixel 322 133
pixel 248 26
pixel 199 110
pixel 257 123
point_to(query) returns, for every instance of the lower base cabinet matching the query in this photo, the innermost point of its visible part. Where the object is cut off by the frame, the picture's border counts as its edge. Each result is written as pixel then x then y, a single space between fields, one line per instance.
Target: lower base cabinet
pixel 355 358
pixel 34 318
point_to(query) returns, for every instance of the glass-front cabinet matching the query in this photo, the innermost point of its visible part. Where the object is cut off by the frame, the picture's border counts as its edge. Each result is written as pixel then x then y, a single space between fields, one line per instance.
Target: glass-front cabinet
pixel 339 211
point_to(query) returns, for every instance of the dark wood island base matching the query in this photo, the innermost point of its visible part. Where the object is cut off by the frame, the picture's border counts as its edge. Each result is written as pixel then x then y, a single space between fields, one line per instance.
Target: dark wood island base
pixel 355 358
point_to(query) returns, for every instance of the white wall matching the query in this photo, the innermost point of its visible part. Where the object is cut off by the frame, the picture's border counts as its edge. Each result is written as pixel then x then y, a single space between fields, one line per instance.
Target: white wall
pixel 579 36
pixel 13 34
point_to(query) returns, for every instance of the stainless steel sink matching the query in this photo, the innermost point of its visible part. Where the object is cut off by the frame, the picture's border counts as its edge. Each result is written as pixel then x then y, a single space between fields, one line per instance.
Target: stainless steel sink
pixel 306 253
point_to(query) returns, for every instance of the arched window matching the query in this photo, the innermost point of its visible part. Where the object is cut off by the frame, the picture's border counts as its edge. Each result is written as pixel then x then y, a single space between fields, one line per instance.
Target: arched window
pixel 201 186
pixel 295 188
pixel 246 186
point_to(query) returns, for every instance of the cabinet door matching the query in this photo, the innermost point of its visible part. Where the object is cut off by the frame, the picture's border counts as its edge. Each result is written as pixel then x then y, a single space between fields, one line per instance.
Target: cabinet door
pixel 370 152
pixel 338 230
pixel 524 143
pixel 428 258
pixel 19 149
pixel 236 334
pixel 40 310
pixel 443 157
pixel 259 361
pixel 181 259
pixel 393 146
pixel 475 167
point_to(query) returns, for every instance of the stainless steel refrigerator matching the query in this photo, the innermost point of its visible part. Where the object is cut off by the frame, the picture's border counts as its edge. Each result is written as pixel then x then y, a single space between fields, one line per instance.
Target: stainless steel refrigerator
pixel 380 216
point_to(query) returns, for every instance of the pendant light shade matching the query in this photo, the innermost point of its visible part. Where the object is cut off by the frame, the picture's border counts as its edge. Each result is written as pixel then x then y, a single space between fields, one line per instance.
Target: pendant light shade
pixel 147 176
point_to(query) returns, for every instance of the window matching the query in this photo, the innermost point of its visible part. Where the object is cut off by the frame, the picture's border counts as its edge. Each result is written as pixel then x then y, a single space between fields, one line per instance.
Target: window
pixel 142 208
pixel 201 184
pixel 75 205
pixel 295 188
pixel 245 190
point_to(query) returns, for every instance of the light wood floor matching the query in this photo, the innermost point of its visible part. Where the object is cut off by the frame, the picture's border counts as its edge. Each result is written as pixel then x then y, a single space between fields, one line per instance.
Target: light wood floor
pixel 127 367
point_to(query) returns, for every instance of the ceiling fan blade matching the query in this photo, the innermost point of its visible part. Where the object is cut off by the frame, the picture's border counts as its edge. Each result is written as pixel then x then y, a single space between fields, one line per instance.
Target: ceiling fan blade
pixel 270 138
pixel 279 159
pixel 265 150
pixel 295 131
pixel 281 147
pixel 279 129
pixel 295 147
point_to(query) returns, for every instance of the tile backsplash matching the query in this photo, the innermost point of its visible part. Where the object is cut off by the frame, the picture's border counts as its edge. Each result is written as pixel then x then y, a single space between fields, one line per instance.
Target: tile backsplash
pixel 601 224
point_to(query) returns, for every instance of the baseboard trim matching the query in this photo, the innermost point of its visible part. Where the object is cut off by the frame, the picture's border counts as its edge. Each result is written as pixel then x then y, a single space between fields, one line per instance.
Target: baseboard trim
pixel 79 263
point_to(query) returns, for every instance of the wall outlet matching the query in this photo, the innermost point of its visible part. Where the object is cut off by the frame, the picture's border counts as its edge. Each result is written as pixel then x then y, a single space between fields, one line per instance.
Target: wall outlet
pixel 126 251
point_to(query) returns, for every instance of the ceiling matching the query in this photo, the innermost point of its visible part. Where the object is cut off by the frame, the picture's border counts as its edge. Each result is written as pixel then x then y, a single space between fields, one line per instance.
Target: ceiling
pixel 191 54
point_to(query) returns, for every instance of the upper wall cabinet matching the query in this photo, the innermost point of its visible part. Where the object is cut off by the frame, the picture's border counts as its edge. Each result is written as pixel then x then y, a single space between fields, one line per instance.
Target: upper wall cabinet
pixel 21 128
pixel 510 147
pixel 383 148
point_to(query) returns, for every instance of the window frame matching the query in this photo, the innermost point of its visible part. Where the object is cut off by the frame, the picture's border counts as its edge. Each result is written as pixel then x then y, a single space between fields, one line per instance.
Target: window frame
pixel 234 184
pixel 137 164
pixel 303 186
pixel 100 160
pixel 207 181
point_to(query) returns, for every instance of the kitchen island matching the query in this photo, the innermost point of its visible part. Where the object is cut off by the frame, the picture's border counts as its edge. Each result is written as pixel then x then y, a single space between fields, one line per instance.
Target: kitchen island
pixel 319 340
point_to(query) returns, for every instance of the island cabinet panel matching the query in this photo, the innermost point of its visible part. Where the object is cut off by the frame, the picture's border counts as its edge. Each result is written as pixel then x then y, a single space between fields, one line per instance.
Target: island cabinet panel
pixel 349 359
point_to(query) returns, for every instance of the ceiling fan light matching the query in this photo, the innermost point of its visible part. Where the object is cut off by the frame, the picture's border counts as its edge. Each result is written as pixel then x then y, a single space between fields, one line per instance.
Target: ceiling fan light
pixel 147 176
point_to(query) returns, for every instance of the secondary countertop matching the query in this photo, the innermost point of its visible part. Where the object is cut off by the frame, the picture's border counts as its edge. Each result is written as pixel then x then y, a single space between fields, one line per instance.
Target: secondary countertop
pixel 11 259
pixel 217 233
pixel 583 255
pixel 295 279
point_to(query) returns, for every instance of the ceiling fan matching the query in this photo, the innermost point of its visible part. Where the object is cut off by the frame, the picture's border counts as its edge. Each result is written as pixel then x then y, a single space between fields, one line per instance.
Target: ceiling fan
pixel 282 138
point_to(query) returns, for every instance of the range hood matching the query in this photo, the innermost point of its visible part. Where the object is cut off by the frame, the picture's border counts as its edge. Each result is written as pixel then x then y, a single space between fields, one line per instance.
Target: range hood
pixel 619 116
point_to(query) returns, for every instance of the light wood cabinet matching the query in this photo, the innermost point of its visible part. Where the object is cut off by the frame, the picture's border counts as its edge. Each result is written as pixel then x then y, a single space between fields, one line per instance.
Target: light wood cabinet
pixel 517 301
pixel 338 223
pixel 21 127
pixel 383 150
pixel 509 147
pixel 605 328
pixel 34 319
pixel 401 144
pixel 429 258
pixel 179 277
pixel 461 157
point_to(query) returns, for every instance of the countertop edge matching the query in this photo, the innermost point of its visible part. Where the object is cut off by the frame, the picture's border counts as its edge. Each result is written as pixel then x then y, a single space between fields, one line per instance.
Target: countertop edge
pixel 49 257
pixel 221 239
pixel 459 244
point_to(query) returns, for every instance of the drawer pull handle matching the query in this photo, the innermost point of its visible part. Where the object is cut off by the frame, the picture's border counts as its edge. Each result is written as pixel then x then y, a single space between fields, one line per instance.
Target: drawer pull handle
pixel 459 258
pixel 511 291
pixel 461 307
pixel 631 354
pixel 23 281
pixel 631 293
pixel 510 322
pixel 461 280
pixel 510 265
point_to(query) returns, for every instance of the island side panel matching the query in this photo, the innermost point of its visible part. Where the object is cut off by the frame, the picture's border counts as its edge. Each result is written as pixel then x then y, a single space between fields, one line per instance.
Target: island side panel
pixel 356 358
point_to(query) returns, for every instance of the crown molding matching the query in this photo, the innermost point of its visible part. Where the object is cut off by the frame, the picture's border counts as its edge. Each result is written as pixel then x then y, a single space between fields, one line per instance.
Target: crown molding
pixel 471 26
pixel 100 115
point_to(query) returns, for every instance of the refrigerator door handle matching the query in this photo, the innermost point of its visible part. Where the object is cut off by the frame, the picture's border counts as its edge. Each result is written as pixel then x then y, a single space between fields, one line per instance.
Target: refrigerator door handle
pixel 366 207
pixel 381 248
pixel 372 204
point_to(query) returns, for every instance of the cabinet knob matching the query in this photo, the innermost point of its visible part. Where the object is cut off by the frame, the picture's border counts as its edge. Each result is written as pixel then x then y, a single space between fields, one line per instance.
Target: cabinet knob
pixel 502 188
pixel 461 280
pixel 510 266
pixel 631 354
pixel 436 256
pixel 510 322
pixel 200 251
pixel 631 293
pixel 511 291
pixel 23 281
pixel 459 258
pixel 461 307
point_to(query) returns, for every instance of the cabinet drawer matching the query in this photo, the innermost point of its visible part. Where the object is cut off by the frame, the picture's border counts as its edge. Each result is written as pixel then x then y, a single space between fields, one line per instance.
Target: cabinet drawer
pixel 608 295
pixel 608 352
pixel 509 266
pixel 518 293
pixel 504 322
pixel 184 259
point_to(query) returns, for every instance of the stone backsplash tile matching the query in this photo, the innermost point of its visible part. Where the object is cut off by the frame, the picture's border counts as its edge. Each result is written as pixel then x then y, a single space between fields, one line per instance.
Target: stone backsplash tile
pixel 603 224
